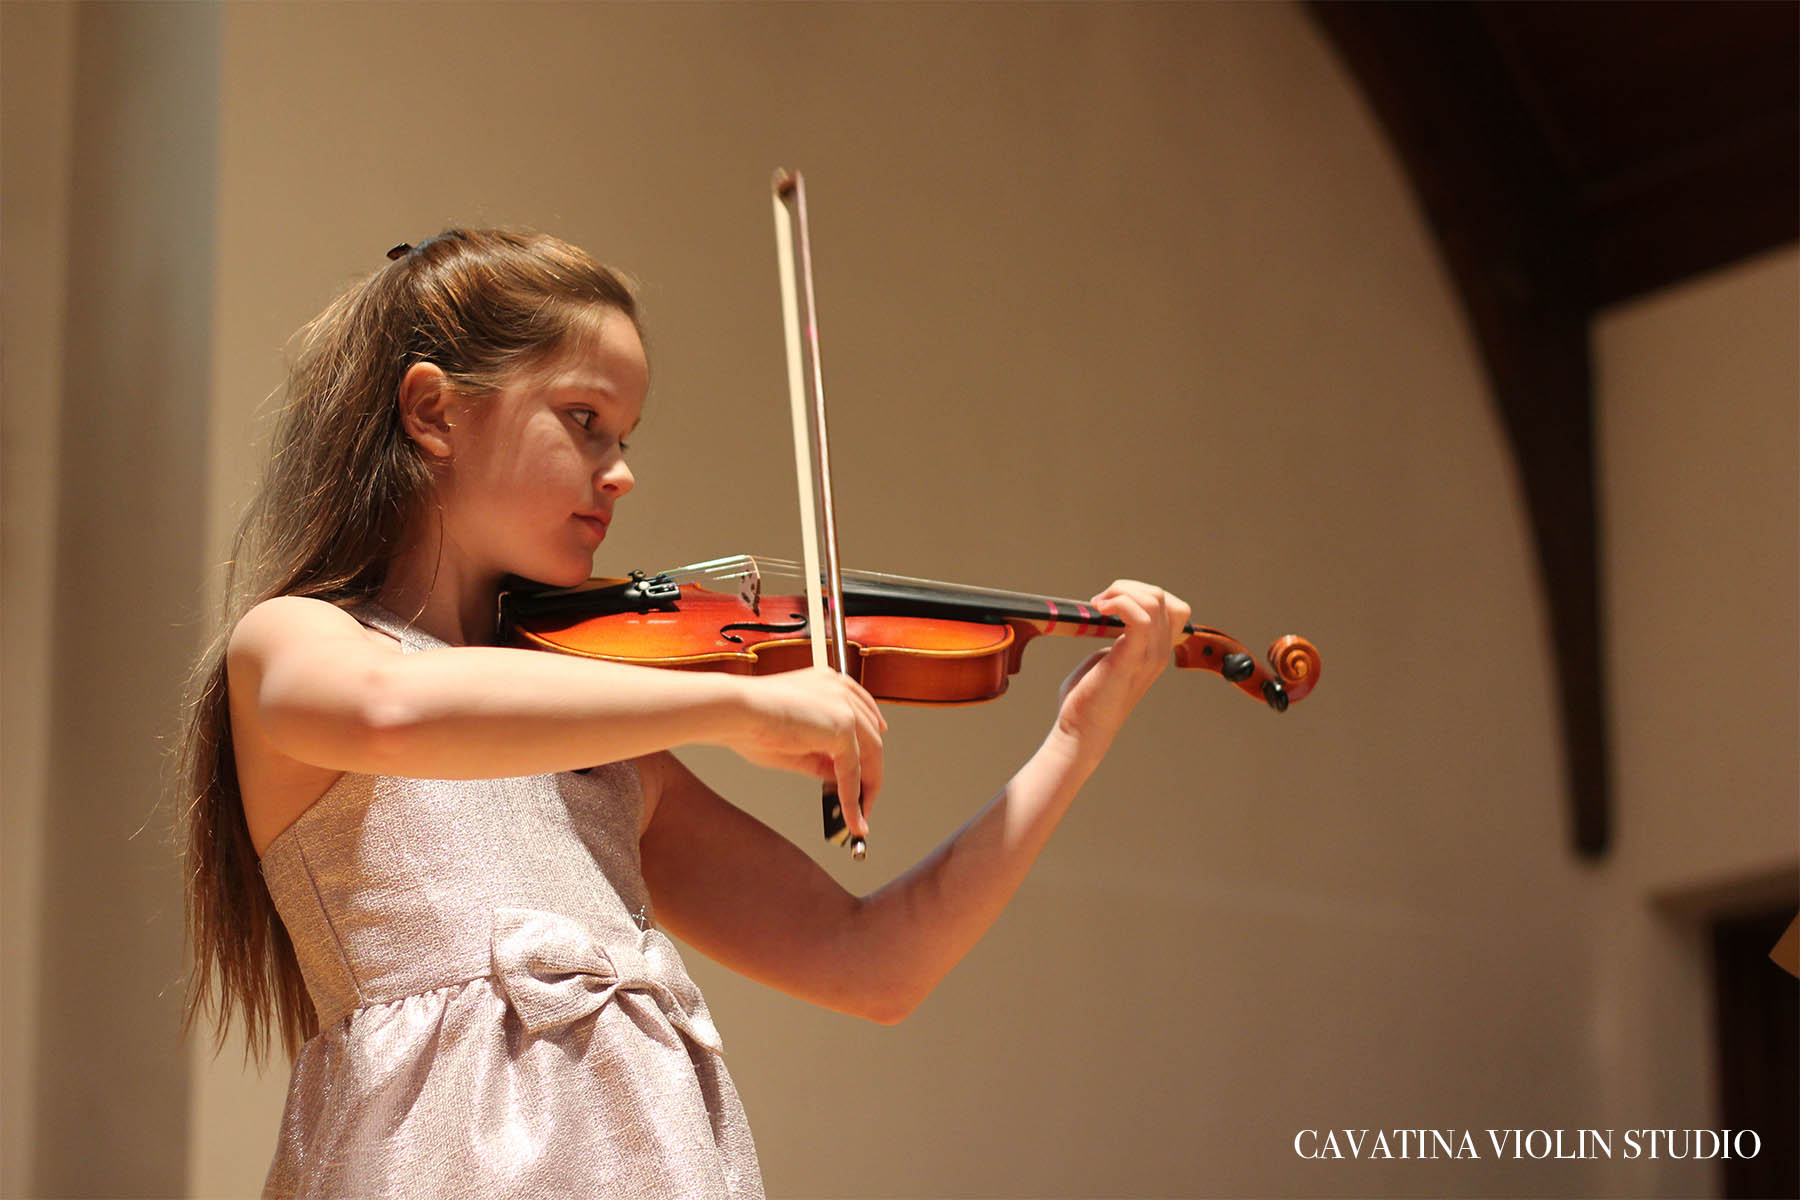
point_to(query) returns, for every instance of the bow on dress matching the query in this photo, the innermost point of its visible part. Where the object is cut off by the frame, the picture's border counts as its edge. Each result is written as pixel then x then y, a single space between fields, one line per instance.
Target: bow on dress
pixel 553 971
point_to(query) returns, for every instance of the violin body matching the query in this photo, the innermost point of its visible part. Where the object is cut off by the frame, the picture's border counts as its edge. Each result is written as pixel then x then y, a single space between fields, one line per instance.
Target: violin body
pixel 909 659
pixel 906 640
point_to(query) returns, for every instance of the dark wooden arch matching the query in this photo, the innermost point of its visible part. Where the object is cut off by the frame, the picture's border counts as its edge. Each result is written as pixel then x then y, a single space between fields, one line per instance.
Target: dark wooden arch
pixel 1569 156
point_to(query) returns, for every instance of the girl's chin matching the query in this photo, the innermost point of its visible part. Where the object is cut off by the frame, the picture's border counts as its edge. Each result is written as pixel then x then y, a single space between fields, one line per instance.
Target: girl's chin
pixel 574 576
pixel 561 576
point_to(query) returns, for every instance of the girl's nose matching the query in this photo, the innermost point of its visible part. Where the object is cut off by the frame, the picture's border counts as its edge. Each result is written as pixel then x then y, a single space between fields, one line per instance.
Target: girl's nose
pixel 616 477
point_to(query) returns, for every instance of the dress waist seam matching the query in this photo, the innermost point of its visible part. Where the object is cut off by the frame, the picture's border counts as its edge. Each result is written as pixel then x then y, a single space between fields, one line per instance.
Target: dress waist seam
pixel 364 1003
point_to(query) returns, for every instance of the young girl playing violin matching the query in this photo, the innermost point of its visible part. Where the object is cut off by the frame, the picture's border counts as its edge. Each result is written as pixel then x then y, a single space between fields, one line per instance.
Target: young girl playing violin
pixel 441 869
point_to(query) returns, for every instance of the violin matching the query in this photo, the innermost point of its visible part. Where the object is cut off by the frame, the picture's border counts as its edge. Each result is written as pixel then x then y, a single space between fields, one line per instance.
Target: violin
pixel 903 639
pixel 913 641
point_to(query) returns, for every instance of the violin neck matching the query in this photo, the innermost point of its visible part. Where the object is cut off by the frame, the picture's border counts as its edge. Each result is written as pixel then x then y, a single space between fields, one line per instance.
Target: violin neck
pixel 876 592
pixel 954 602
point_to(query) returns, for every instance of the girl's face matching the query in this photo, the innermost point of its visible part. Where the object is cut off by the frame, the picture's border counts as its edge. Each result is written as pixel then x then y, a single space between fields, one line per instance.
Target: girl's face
pixel 535 470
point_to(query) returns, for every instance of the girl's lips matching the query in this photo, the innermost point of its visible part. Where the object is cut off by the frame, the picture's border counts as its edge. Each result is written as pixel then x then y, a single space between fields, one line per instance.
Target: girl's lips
pixel 594 525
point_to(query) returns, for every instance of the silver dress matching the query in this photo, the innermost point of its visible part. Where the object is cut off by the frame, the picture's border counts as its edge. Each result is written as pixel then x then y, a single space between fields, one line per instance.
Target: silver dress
pixel 498 1014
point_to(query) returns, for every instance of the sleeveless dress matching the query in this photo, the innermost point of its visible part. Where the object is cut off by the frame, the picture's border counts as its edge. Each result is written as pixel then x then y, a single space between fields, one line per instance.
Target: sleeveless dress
pixel 498 1014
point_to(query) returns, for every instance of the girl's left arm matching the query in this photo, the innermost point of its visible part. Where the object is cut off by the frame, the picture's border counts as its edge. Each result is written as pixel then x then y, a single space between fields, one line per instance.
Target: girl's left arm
pixel 742 894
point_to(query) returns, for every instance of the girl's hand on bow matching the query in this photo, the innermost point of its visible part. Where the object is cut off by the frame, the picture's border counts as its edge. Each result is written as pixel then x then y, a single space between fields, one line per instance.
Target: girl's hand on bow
pixel 1100 693
pixel 817 722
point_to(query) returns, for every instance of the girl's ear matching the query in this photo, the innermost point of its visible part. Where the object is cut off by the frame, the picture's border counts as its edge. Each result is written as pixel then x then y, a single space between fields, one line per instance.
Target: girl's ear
pixel 426 408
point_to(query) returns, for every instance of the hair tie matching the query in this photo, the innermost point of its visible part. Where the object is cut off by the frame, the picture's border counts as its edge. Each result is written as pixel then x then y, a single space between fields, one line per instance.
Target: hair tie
pixel 397 251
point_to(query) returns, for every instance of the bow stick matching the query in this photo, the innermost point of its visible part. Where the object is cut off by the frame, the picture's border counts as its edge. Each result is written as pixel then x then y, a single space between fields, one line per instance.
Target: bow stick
pixel 812 454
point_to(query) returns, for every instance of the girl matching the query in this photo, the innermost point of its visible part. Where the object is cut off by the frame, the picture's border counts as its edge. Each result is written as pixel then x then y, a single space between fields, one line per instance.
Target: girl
pixel 399 850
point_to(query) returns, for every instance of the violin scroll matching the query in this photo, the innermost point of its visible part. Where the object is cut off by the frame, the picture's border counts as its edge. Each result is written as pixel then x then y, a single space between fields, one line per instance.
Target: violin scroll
pixel 1298 663
pixel 1292 672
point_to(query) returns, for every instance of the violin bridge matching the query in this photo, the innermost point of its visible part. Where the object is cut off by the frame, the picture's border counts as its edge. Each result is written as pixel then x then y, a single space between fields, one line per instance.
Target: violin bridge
pixel 750 586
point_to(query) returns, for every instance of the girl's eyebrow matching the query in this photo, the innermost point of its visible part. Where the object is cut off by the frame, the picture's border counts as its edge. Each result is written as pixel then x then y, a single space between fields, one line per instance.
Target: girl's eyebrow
pixel 587 385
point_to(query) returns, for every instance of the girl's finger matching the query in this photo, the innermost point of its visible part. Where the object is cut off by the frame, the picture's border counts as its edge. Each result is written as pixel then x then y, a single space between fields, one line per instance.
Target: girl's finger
pixel 1119 587
pixel 864 749
pixel 1127 608
pixel 1159 604
pixel 1149 629
pixel 867 703
pixel 1179 608
pixel 873 768
pixel 849 791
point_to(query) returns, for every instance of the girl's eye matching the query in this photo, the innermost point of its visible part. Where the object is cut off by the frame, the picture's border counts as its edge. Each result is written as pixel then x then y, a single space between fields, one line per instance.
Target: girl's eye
pixel 587 420
pixel 585 417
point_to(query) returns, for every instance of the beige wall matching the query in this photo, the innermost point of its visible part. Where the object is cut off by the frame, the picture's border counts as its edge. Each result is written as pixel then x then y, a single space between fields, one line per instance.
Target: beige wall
pixel 110 164
pixel 37 49
pixel 1105 290
pixel 1699 427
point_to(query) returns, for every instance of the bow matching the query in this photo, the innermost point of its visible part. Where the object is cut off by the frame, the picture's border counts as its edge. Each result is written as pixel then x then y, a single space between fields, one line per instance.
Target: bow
pixel 553 971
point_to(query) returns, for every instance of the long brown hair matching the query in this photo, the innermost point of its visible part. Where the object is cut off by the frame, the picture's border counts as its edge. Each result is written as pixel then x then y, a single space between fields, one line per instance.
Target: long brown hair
pixel 344 486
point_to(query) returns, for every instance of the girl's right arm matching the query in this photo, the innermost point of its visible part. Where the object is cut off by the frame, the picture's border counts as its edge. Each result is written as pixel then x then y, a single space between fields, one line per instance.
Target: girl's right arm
pixel 321 691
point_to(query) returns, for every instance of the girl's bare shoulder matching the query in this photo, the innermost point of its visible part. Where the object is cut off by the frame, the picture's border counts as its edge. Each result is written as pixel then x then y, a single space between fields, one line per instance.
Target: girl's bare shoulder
pixel 288 623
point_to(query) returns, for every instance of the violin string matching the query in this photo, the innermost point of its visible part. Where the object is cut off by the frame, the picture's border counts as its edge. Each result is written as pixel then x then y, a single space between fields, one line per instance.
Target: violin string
pixel 739 566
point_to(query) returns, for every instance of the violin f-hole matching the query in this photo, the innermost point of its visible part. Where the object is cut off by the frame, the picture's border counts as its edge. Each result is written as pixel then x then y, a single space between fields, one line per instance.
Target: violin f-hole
pixel 798 623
